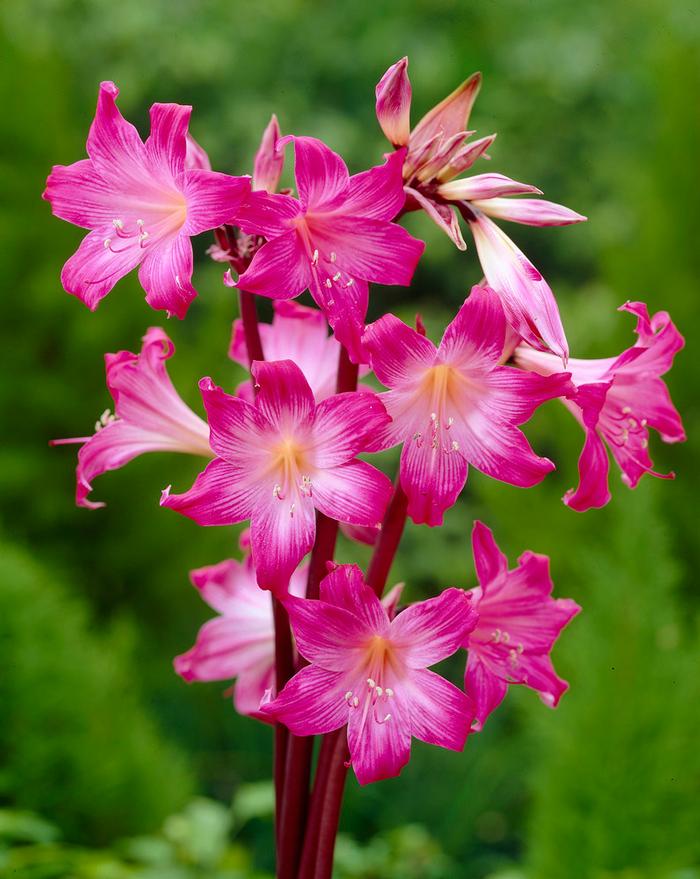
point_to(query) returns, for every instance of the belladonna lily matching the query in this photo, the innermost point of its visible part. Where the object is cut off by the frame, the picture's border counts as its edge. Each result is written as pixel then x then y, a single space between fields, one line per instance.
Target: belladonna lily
pixel 438 150
pixel 239 642
pixel 142 202
pixel 454 404
pixel 149 416
pixel 282 458
pixel 296 333
pixel 371 672
pixel 333 239
pixel 616 400
pixel 517 626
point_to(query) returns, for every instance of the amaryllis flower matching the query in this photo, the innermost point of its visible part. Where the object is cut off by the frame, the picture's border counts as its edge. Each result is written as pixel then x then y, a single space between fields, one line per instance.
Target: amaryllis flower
pixel 438 150
pixel 616 400
pixel 282 458
pixel 454 404
pixel 296 333
pixel 371 672
pixel 239 642
pixel 149 416
pixel 333 239
pixel 142 202
pixel 518 623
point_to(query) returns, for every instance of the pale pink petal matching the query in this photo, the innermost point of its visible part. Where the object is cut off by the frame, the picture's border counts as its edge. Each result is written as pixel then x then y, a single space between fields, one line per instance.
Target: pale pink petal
pixel 483 186
pixel 166 275
pixel 312 702
pixel 282 532
pixel 360 533
pixel 432 630
pixel 269 161
pixel 486 689
pixel 250 689
pixel 379 748
pixel 94 269
pixel 221 495
pixel 490 562
pixel 593 463
pixel 212 199
pixel 528 301
pixel 268 214
pixel 391 599
pixel 355 492
pixel 398 353
pixel 166 146
pixel 515 394
pixel 195 155
pixel 393 104
pixel 440 713
pixel 465 157
pixel 377 193
pixel 432 478
pixel 222 651
pixel 284 396
pixel 449 116
pixel 540 676
pixel 326 634
pixel 443 215
pixel 529 211
pixel 219 584
pixel 474 338
pixel 321 175
pixel 344 586
pixel 279 270
pixel 343 425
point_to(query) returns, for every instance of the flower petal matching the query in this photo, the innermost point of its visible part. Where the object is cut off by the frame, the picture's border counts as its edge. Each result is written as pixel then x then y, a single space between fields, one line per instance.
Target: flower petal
pixel 166 146
pixel 474 338
pixel 269 162
pixel 379 748
pixel 221 495
pixel 284 396
pixel 166 275
pixel 483 186
pixel 279 270
pixel 355 493
pixel 328 635
pixel 267 214
pixel 443 215
pixel 377 193
pixel 114 144
pixel 282 532
pixel 432 477
pixel 529 211
pixel 345 308
pixel 78 194
pixel 94 269
pixel 212 199
pixel 593 462
pixel 449 116
pixel 223 650
pixel 321 175
pixel 430 631
pixel 312 702
pixel 440 713
pixel 486 689
pixel 344 586
pixel 489 561
pixel 398 353
pixel 343 425
pixel 393 104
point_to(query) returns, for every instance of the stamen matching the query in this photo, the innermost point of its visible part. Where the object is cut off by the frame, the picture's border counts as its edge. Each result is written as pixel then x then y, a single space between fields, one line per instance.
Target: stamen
pixel 332 255
pixel 291 511
pixel 118 224
pixel 314 258
pixel 371 683
pixel 455 446
pixel 337 276
pixel 389 692
pixel 277 492
pixel 350 282
pixel 329 283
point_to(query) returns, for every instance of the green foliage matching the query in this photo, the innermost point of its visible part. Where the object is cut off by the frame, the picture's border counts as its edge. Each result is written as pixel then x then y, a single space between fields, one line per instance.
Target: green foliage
pixel 75 740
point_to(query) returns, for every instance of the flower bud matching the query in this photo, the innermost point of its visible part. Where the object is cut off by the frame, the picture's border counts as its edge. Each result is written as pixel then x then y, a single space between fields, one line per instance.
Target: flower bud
pixel 394 103
pixel 267 169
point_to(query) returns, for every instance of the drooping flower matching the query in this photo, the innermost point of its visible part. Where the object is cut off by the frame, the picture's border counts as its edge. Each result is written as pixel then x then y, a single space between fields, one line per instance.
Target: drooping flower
pixel 142 202
pixel 333 239
pixel 282 458
pixel 518 623
pixel 296 333
pixel 371 672
pixel 239 642
pixel 616 400
pixel 439 149
pixel 149 416
pixel 454 405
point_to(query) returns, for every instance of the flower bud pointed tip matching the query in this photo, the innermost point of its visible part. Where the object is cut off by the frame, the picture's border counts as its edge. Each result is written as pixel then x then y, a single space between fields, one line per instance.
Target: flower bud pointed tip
pixel 394 103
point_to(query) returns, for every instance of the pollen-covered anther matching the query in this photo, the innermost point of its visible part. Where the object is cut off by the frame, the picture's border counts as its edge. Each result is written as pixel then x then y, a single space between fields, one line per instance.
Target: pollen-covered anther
pixel 106 418
pixel 371 683
pixel 314 258
pixel 350 282
pixel 291 511
pixel 337 276
pixel 333 255
pixel 277 491
pixel 455 446
pixel 305 486
pixel 329 283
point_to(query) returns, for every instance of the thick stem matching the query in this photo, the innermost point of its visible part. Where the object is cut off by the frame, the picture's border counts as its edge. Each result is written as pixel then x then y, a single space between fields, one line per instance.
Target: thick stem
pixel 249 316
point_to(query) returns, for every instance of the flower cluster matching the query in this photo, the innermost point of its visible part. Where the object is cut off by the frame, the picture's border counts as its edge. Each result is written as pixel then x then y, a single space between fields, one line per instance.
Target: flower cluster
pixel 312 646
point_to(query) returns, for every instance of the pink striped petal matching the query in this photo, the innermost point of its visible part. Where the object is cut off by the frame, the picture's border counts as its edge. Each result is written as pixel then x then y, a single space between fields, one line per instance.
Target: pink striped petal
pixel 166 275
pixel 393 105
pixel 443 215
pixel 279 270
pixel 528 211
pixel 221 495
pixel 113 144
pixel 432 630
pixel 491 564
pixel 78 194
pixel 432 479
pixel 269 161
pixel 93 269
pixel 484 186
pixel 282 532
pixel 593 462
pixel 343 425
pixel 212 199
pixel 398 353
pixel 487 689
pixel 284 397
pixel 327 634
pixel 440 713
pixel 379 748
pixel 166 146
pixel 345 586
pixel 321 175
pixel 449 116
pixel 474 338
pixel 312 702
pixel 268 214
pixel 377 194
pixel 195 155
pixel 356 493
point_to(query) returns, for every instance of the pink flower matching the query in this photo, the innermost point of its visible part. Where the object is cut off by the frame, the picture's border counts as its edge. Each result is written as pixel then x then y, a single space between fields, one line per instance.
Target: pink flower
pixel 142 202
pixel 616 400
pixel 296 333
pixel 454 405
pixel 281 459
pixel 370 672
pixel 518 623
pixel 239 642
pixel 439 149
pixel 333 239
pixel 150 416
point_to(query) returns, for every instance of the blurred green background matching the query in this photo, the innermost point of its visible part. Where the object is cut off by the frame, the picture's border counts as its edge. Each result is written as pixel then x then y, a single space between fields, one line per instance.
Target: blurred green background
pixel 110 766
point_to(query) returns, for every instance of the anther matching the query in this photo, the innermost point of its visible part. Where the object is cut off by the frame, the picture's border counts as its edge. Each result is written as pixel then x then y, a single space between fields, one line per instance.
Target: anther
pixel 291 511
pixel 118 224
pixel 332 255
pixel 455 446
pixel 277 491
pixel 107 243
pixel 337 276
pixel 371 683
pixel 389 692
pixel 329 283
pixel 350 282
pixel 314 258
pixel 355 701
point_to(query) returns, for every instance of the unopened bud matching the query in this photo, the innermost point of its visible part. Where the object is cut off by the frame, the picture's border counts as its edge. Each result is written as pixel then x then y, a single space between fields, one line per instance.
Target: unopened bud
pixel 394 103
pixel 269 163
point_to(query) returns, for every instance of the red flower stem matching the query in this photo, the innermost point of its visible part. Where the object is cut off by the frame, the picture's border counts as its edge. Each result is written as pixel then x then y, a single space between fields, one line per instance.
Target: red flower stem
pixel 295 803
pixel 388 540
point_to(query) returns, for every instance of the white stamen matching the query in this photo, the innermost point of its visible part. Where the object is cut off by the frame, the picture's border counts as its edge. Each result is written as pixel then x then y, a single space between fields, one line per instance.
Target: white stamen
pixel 107 243
pixel 371 683
pixel 329 283
pixel 355 701
pixel 277 491
pixel 291 511
pixel 314 258
pixel 389 692
pixel 332 255
pixel 626 410
pixel 350 282
pixel 337 276
pixel 379 691
pixel 118 224
pixel 455 446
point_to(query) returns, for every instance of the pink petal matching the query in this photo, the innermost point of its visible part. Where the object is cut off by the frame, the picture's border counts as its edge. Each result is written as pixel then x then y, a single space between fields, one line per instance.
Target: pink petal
pixel 474 339
pixel 220 585
pixel 79 195
pixel 483 186
pixel 312 702
pixel 449 116
pixel 593 463
pixel 486 689
pixel 279 270
pixel 114 144
pixel 429 631
pixel 166 275
pixel 284 397
pixel 327 635
pixel 195 155
pixel 166 146
pixel 398 353
pixel 222 651
pixel 489 561
pixel 250 689
pixel 321 175
pixel 464 158
pixel 377 194
pixel 356 493
pixel 440 713
pixel 515 394
pixel 268 214
pixel 432 478
pixel 443 215
pixel 344 586
pixel 379 748
pixel 282 532
pixel 542 677
pixel 221 495
pixel 212 199
pixel 393 106
pixel 269 162
pixel 527 299
pixel 236 427
pixel 343 425
pixel 93 269
pixel 344 305
pixel 529 211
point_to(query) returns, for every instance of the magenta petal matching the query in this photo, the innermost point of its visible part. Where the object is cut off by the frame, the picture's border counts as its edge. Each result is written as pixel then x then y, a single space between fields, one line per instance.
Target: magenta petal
pixel 221 495
pixel 195 155
pixel 529 211
pixel 114 144
pixel 268 214
pixel 212 199
pixel 93 269
pixel 440 714
pixel 489 561
pixel 282 531
pixel 166 275
pixel 355 493
pixel 474 339
pixel 379 748
pixel 432 478
pixel 279 270
pixel 393 105
pixel 321 175
pixel 486 689
pixel 223 649
pixel 343 425
pixel 79 195
pixel 398 353
pixel 312 702
pixel 345 587
pixel 484 186
pixel 236 427
pixel 166 146
pixel 345 308
pixel 284 396
pixel 326 634
pixel 250 689
pixel 443 215
pixel 378 193
pixel 432 630
pixel 593 463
